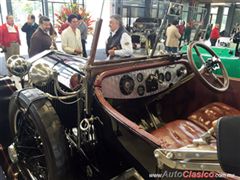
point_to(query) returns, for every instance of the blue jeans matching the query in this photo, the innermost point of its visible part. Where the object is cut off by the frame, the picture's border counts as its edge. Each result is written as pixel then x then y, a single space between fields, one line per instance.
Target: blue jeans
pixel 213 42
pixel 171 49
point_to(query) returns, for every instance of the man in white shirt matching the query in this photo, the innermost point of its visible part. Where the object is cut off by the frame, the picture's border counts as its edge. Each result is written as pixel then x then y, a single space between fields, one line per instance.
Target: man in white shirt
pixel 119 43
pixel 71 37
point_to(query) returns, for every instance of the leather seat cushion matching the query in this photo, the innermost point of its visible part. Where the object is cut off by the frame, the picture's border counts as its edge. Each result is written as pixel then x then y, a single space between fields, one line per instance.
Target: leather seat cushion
pixel 177 134
pixel 211 112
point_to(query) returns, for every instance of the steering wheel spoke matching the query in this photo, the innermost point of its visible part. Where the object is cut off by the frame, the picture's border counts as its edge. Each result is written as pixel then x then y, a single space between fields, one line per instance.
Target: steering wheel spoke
pixel 217 79
pixel 199 55
pixel 202 69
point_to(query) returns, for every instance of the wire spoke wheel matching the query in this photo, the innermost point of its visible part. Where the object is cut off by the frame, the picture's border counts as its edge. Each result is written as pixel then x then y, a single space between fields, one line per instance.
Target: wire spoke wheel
pixel 39 139
pixel 29 146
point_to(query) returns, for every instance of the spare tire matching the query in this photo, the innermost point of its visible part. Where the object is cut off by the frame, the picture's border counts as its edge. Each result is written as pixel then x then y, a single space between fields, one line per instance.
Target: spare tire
pixel 39 138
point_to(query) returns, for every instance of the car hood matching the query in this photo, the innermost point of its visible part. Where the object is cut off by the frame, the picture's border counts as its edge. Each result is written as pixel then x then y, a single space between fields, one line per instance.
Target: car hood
pixel 66 65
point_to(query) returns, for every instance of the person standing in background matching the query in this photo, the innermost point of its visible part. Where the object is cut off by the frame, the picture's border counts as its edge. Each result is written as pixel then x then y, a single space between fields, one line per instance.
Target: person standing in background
pixel 10 39
pixel 29 28
pixel 173 37
pixel 187 33
pixel 53 36
pixel 84 31
pixel 41 39
pixel 235 29
pixel 71 37
pixel 0 36
pixel 181 29
pixel 236 39
pixel 119 43
pixel 214 35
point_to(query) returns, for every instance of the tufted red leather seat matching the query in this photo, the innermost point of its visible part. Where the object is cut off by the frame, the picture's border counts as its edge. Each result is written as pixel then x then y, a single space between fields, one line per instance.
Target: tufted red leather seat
pixel 180 133
pixel 177 134
pixel 204 116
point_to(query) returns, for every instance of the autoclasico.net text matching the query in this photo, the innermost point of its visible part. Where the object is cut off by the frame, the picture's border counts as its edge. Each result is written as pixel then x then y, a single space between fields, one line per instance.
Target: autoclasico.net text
pixel 190 174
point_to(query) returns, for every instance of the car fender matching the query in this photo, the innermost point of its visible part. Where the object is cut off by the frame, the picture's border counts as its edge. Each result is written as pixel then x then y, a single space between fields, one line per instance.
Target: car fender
pixel 7 88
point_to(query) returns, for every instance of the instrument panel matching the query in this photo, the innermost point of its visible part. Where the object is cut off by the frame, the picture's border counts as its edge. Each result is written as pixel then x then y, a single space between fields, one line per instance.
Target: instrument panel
pixel 142 83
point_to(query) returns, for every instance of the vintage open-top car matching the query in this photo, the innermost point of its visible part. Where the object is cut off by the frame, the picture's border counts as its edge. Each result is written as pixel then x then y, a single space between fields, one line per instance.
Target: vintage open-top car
pixel 149 114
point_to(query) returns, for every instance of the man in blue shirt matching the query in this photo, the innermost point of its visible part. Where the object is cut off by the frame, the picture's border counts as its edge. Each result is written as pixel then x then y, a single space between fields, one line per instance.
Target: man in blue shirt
pixel 29 28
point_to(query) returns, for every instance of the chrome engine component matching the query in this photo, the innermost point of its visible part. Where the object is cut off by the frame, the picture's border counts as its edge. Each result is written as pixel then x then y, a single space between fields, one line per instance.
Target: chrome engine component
pixel 40 74
pixel 18 66
pixel 86 131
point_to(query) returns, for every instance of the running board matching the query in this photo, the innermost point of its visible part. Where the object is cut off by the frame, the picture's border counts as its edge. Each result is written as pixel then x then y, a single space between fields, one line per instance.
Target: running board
pixel 188 159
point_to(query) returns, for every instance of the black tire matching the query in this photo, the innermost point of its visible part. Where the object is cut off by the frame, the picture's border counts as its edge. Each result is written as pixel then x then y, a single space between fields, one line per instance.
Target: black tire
pixel 31 108
pixel 7 88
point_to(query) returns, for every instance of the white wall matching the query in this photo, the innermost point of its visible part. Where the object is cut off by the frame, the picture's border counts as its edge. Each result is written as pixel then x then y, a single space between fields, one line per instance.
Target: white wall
pixel 4 10
pixel 94 7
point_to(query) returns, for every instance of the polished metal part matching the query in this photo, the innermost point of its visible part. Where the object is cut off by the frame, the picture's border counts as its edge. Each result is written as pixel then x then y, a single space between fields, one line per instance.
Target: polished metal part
pixel 197 158
pixel 18 66
pixel 40 74
pixel 12 152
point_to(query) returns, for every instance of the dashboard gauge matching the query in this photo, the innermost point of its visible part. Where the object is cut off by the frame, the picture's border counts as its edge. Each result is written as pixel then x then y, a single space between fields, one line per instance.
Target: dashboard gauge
pixel 139 77
pixel 126 85
pixel 168 76
pixel 141 90
pixel 181 71
pixel 157 73
pixel 151 83
pixel 161 77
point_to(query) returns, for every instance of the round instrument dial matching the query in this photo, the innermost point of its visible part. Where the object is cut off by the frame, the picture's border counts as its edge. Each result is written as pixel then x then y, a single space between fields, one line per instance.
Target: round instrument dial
pixel 139 77
pixel 168 76
pixel 141 90
pixel 126 85
pixel 161 77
